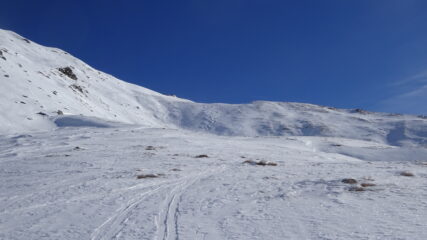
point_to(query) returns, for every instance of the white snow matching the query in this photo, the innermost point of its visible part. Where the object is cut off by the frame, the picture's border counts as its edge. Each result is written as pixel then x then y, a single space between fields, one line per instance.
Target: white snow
pixel 75 176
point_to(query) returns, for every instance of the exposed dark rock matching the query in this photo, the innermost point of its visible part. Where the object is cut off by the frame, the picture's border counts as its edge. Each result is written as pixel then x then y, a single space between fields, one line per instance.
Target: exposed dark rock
pixel 59 112
pixel 407 174
pixel 349 181
pixel 260 163
pixel 150 175
pixel 77 87
pixel 42 113
pixel 68 72
pixel 1 55
pixel 6 75
pixel 150 148
pixel 26 40
pixel 202 156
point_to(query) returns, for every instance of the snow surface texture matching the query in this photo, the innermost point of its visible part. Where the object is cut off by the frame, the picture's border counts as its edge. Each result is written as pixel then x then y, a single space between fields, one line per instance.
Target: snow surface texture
pixel 84 155
pixel 82 183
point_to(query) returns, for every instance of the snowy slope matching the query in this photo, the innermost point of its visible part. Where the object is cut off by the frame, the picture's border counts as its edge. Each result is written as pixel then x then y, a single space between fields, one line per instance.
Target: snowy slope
pixel 84 155
pixel 82 184
pixel 32 84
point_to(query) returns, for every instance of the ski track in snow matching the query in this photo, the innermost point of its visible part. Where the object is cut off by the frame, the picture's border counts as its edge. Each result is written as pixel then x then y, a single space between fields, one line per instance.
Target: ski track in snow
pixel 166 223
pixel 167 220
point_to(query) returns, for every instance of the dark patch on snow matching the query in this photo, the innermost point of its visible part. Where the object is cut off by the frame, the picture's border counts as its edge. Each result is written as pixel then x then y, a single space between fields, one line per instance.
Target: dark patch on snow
pixel 368 184
pixel 1 55
pixel 356 189
pixel 68 72
pixel 150 175
pixel 260 163
pixel 26 40
pixel 77 87
pixel 349 181
pixel 407 174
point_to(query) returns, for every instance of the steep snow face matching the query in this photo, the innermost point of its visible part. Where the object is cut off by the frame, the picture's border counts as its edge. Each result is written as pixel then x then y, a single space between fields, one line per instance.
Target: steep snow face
pixel 297 119
pixel 38 83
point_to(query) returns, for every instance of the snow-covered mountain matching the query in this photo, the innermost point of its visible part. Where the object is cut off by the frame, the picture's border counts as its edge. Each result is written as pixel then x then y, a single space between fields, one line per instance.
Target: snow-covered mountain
pixel 142 165
pixel 43 88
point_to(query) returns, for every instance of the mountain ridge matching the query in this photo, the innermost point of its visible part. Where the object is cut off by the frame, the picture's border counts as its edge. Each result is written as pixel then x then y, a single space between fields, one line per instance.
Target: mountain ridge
pixel 42 86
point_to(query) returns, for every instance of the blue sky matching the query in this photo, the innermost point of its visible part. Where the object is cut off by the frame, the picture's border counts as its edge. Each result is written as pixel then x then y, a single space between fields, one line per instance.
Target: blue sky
pixel 350 54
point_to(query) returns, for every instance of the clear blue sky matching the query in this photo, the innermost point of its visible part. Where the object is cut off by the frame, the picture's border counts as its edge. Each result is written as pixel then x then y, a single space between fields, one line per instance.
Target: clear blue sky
pixel 342 53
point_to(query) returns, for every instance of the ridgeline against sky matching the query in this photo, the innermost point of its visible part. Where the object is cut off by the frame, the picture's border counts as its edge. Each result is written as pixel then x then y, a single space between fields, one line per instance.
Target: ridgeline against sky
pixel 367 54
